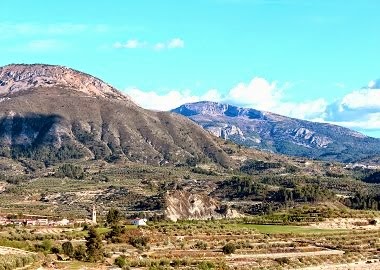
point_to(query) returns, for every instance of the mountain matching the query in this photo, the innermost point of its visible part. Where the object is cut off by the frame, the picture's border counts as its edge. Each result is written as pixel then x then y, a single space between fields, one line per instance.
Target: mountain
pixel 280 134
pixel 54 113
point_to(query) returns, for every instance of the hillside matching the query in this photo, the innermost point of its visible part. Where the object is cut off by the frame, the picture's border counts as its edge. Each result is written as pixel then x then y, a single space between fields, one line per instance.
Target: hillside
pixel 52 113
pixel 280 134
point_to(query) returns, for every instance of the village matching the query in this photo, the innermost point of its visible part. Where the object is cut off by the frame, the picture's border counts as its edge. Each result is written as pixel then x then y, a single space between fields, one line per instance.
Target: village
pixel 36 220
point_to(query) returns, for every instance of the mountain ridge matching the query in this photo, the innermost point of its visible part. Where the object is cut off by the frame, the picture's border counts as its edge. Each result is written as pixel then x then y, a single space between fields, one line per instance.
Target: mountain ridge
pixel 281 134
pixel 52 113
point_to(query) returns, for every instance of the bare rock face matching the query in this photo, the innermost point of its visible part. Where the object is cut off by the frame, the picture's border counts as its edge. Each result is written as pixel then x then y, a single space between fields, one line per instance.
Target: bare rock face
pixel 16 78
pixel 184 205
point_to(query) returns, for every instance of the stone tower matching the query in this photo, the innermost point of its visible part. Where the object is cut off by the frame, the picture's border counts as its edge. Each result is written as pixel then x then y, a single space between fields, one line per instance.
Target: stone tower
pixel 94 214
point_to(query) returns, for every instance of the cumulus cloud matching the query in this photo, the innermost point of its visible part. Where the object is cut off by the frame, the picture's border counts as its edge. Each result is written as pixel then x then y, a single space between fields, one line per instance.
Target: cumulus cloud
pixel 258 93
pixel 359 109
pixel 170 100
pixel 365 98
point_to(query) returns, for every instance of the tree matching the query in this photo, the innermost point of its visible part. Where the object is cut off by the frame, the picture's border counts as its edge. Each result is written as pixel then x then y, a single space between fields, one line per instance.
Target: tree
pixel 94 246
pixel 113 216
pixel 115 235
pixel 68 249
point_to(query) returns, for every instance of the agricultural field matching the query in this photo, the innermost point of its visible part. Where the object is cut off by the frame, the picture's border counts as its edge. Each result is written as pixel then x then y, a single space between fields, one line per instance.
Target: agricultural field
pixel 212 244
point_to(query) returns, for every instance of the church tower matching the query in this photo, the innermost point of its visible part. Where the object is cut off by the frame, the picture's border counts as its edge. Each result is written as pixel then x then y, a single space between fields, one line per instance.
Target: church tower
pixel 94 214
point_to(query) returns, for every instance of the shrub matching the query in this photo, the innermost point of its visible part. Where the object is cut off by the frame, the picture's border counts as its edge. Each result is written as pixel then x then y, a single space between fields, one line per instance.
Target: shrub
pixel 229 248
pixel 200 245
pixel 80 253
pixel 138 241
pixel 68 249
pixel 120 261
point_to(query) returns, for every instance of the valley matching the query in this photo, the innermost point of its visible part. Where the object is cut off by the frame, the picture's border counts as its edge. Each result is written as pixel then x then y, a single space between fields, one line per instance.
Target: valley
pixel 70 143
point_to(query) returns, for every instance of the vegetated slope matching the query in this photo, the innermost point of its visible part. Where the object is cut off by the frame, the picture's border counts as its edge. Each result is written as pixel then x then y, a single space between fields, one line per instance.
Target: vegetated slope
pixel 280 134
pixel 53 113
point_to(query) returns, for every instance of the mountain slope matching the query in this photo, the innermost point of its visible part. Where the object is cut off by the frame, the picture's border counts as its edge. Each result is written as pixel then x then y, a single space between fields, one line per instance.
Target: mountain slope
pixel 281 134
pixel 53 113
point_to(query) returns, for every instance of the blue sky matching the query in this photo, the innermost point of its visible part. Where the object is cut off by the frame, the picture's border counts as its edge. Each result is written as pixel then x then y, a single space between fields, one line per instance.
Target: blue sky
pixel 311 59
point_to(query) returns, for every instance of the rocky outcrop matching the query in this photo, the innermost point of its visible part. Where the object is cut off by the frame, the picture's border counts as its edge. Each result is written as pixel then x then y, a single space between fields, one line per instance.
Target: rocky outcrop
pixel 16 78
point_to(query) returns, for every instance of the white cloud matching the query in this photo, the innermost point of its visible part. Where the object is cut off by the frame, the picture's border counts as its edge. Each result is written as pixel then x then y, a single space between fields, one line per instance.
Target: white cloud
pixel 365 98
pixel 130 44
pixel 258 93
pixel 170 100
pixel 176 43
pixel 359 109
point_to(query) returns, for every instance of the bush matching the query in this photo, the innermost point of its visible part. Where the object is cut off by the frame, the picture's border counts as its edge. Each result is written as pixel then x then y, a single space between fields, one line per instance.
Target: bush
pixel 200 245
pixel 80 253
pixel 205 265
pixel 282 261
pixel 68 249
pixel 120 261
pixel 139 241
pixel 229 248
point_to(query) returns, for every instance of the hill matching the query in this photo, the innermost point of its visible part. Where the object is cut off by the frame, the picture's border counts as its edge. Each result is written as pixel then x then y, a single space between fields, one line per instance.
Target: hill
pixel 280 134
pixel 53 113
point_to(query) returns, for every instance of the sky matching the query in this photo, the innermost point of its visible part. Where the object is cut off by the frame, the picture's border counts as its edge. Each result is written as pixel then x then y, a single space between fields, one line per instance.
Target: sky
pixel 317 60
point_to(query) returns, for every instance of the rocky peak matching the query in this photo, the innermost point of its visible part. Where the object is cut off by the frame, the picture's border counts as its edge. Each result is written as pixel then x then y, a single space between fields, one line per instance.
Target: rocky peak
pixel 20 77
pixel 217 109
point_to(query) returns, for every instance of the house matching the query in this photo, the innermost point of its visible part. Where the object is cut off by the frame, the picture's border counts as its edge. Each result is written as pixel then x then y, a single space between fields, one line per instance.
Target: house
pixel 139 221
pixel 63 222
pixel 31 222
pixel 43 221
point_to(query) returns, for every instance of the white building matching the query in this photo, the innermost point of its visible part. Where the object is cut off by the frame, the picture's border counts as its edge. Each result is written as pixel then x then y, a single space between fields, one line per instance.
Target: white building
pixel 94 214
pixel 139 221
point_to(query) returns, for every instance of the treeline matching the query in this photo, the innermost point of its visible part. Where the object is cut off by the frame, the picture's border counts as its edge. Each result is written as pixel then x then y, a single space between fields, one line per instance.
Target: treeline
pixel 306 193
pixel 253 166
pixel 363 201
pixel 47 154
pixel 246 187
pixel 71 171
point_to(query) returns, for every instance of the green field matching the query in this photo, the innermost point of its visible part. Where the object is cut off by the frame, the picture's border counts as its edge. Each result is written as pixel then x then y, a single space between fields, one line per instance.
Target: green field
pixel 278 229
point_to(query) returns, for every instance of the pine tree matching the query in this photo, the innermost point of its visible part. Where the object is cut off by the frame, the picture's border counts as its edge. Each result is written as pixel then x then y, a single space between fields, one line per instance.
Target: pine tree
pixel 94 246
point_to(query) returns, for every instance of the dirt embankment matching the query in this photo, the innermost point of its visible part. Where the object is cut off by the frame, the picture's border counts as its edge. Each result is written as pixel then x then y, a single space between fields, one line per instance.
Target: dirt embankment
pixel 187 205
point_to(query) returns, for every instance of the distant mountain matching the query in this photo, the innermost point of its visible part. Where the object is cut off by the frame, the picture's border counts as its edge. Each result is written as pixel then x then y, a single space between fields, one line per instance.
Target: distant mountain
pixel 280 134
pixel 54 113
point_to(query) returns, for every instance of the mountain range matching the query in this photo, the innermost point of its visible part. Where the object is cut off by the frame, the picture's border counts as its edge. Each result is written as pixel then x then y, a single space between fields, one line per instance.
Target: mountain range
pixel 54 113
pixel 280 134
